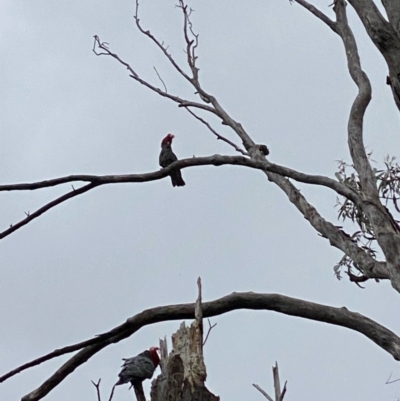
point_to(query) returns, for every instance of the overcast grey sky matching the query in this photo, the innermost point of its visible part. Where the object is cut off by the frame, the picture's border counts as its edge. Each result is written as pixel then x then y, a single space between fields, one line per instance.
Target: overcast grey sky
pixel 84 267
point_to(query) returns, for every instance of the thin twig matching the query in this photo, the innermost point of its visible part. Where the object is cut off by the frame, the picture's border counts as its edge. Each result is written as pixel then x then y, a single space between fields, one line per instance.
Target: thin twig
pixel 393 381
pixel 219 136
pixel 264 393
pixel 210 327
pixel 97 385
pixel 189 42
pixel 191 46
pixel 159 77
pixel 159 45
pixel 112 393
pixel 283 391
pixel 133 74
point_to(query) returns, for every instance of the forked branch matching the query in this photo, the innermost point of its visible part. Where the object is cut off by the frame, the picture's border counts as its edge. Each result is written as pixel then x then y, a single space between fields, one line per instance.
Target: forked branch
pixel 279 395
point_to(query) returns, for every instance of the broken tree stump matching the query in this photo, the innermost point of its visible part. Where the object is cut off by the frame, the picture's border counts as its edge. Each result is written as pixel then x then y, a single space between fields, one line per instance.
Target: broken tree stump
pixel 183 369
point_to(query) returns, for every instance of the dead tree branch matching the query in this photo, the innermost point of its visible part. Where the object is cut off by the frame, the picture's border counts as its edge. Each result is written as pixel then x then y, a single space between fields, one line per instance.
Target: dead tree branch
pixel 97 386
pixel 159 44
pixel 162 81
pixel 210 327
pixel 279 395
pixel 377 333
pixel 31 216
pixel 388 381
pixel 219 136
pixel 319 14
pixel 104 51
pixel 263 392
pixel 216 160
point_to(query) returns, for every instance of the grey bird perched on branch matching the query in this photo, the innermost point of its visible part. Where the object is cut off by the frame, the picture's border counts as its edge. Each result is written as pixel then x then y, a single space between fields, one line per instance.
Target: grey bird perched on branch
pixel 167 156
pixel 137 369
pixel 140 367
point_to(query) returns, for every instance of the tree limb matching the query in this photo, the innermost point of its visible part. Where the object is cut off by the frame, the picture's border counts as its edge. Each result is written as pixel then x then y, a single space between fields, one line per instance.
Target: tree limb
pixel 103 46
pixel 159 44
pixel 385 228
pixel 337 237
pixel 263 392
pixel 216 160
pixel 31 216
pixel 392 8
pixel 377 333
pixel 219 136
pixel 384 35
pixel 360 104
pixel 319 14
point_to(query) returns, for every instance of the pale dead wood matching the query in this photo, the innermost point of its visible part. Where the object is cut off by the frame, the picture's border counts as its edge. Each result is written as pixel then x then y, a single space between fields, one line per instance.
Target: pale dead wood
pixel 279 395
pixel 263 392
pixel 198 314
pixel 277 383
pixel 184 374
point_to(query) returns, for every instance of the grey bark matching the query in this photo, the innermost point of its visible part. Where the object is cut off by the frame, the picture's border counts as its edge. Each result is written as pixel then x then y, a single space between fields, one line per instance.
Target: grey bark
pixel 385 35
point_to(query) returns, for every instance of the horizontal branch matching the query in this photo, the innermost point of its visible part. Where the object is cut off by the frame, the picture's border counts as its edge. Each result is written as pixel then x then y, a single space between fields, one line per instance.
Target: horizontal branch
pixel 215 160
pixel 377 333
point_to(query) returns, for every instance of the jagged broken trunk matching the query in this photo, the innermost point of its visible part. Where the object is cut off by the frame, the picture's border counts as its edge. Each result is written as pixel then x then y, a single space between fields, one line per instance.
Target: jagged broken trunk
pixel 183 370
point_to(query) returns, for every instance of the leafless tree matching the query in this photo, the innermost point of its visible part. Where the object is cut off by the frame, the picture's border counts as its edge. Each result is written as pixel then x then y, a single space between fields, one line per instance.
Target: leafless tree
pixel 367 196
